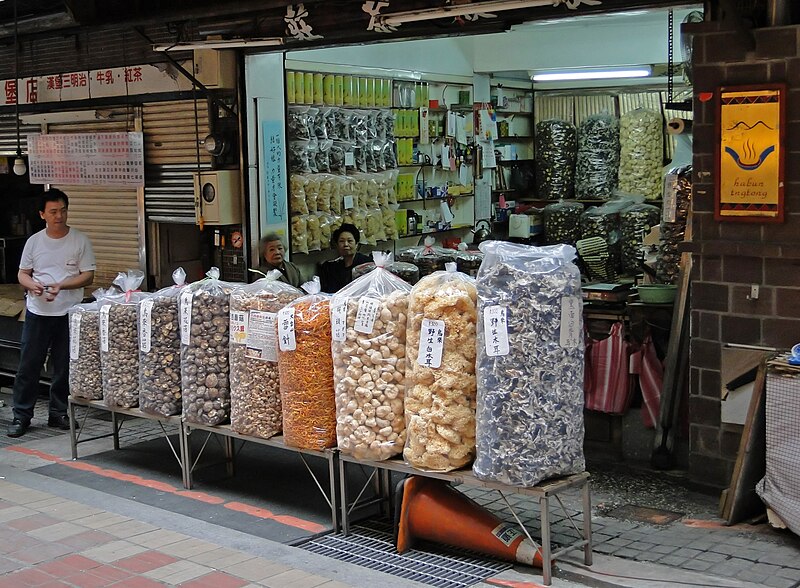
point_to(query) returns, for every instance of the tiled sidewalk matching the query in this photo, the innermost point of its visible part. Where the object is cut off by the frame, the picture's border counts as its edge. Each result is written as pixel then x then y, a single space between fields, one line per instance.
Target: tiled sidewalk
pixel 48 541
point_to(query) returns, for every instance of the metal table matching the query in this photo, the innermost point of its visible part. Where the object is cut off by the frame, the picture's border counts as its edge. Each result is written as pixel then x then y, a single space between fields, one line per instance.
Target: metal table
pixel 76 428
pixel 228 435
pixel 543 493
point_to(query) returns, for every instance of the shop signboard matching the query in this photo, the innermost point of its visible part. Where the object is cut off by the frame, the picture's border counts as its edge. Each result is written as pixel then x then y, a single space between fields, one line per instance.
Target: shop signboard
pixel 750 154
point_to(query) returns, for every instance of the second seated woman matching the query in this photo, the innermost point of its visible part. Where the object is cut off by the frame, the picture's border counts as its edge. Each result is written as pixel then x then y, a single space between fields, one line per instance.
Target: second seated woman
pixel 337 273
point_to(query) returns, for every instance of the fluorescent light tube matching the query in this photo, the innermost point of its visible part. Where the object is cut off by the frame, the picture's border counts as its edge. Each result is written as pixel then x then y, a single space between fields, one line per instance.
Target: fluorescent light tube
pixel 592 74
pixel 220 44
pixel 461 10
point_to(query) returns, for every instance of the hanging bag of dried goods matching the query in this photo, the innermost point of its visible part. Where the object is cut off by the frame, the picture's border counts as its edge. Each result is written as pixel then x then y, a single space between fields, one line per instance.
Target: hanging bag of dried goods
pixel 598 157
pixel 677 200
pixel 119 341
pixel 641 137
pixel 85 371
pixel 610 390
pixel 255 388
pixel 305 368
pixel 441 382
pixel 205 324
pixel 369 359
pixel 556 152
pixel 562 222
pixel 160 350
pixel 529 422
pixel 635 223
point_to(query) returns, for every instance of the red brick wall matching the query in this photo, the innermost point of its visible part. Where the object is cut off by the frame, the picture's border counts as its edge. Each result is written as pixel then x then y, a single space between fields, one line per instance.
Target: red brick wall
pixel 728 257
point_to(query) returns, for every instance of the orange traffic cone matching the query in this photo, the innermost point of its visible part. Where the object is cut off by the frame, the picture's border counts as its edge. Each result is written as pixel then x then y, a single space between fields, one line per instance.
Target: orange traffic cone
pixel 434 511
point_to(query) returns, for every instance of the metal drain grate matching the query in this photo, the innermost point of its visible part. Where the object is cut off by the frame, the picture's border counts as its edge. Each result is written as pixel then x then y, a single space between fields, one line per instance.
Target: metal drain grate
pixel 371 545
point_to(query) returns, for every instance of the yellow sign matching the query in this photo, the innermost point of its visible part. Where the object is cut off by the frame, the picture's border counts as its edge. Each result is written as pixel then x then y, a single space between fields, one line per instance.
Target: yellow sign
pixel 750 155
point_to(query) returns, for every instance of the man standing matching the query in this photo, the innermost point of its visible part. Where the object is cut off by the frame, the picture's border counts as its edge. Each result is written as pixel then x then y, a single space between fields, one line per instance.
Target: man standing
pixel 272 250
pixel 56 264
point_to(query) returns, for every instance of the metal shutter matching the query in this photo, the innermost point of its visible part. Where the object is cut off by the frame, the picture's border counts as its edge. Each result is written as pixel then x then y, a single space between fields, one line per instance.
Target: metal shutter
pixel 170 156
pixel 109 215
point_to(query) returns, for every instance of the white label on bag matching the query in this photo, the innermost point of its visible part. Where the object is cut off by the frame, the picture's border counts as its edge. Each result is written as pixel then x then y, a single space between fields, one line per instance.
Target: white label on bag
pixel 104 327
pixel 74 335
pixel 238 328
pixel 262 337
pixel 339 320
pixel 145 325
pixel 186 316
pixel 571 311
pixel 286 340
pixel 367 314
pixel 431 343
pixel 495 331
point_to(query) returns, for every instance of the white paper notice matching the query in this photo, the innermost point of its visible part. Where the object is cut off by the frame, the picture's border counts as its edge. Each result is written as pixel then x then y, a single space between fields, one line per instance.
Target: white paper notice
pixel 367 314
pixel 186 316
pixel 145 325
pixel 74 335
pixel 286 339
pixel 339 319
pixel 238 328
pixel 431 343
pixel 495 331
pixel 262 338
pixel 104 327
pixel 571 314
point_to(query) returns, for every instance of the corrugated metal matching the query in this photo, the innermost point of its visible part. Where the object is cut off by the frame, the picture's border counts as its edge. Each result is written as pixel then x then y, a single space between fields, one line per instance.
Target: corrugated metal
pixel 560 107
pixel 109 215
pixel 171 158
pixel 591 104
pixel 8 135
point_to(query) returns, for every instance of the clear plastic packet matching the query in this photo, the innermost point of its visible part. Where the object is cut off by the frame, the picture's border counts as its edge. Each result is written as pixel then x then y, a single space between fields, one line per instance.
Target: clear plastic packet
pixel 556 148
pixel 255 384
pixel 314 235
pixel 369 360
pixel 298 123
pixel 85 369
pixel 597 165
pixel 205 336
pixel 440 379
pixel 160 349
pixel 297 194
pixel 530 363
pixel 119 341
pixel 299 234
pixel 297 156
pixel 562 222
pixel 641 137
pixel 305 367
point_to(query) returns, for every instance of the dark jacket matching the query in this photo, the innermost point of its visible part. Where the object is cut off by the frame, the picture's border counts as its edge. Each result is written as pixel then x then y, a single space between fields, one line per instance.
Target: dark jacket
pixel 333 275
pixel 289 273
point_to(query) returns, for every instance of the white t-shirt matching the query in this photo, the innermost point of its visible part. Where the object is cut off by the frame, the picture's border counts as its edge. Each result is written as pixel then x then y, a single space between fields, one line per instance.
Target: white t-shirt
pixel 53 261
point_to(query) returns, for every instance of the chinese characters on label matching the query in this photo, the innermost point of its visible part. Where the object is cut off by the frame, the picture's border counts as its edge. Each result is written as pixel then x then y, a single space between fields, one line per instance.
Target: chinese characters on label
pixel 495 331
pixel 431 343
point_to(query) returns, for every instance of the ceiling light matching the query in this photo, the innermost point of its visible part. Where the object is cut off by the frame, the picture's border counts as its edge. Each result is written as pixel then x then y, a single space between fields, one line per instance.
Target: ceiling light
pixel 592 74
pixel 220 44
pixel 461 10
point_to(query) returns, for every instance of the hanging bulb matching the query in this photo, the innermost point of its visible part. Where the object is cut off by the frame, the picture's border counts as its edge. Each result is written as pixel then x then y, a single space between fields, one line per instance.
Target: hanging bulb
pixel 19 166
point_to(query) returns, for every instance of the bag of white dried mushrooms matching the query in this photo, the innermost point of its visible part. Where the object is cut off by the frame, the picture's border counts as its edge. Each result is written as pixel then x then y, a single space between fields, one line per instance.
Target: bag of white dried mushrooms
pixel 160 349
pixel 441 382
pixel 255 385
pixel 368 321
pixel 529 422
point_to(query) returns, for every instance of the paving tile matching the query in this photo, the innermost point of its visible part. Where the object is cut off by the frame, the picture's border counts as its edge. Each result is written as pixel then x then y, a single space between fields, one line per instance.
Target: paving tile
pixel 113 551
pixel 215 580
pixel 57 532
pixel 178 572
pixel 145 561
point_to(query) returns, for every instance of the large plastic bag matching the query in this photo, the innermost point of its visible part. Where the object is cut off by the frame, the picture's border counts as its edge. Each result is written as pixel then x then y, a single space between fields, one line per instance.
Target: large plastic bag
pixel 85 371
pixel 160 350
pixel 598 157
pixel 641 137
pixel 205 325
pixel 556 151
pixel 119 341
pixel 441 382
pixel 529 423
pixel 369 357
pixel 255 385
pixel 305 367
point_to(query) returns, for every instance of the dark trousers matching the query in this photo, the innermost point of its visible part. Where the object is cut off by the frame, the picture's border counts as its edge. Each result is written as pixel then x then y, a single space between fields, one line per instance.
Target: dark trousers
pixel 39 334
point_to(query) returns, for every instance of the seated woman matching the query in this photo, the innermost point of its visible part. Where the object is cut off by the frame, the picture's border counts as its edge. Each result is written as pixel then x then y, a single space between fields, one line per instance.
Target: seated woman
pixel 337 273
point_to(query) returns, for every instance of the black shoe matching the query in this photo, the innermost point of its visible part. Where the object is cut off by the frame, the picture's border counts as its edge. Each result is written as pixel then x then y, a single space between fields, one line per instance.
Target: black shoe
pixel 59 422
pixel 17 428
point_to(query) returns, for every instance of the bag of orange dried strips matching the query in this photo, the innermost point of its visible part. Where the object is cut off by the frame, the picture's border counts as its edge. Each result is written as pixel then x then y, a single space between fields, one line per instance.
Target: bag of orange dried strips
pixel 305 368
pixel 369 360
